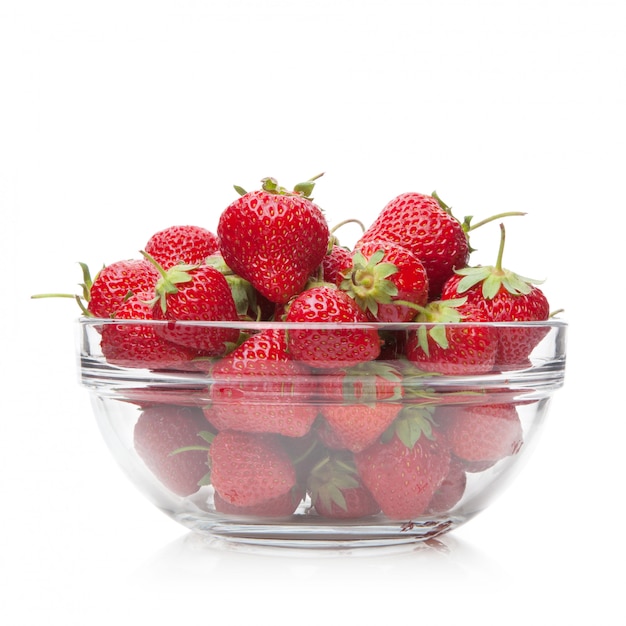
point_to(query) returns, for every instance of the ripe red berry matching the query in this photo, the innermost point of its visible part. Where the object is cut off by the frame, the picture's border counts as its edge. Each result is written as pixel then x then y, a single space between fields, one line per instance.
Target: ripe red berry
pixel 162 430
pixel 248 469
pixel 421 224
pixel 274 238
pixel 330 347
pixel 116 282
pixel 259 387
pixel 188 245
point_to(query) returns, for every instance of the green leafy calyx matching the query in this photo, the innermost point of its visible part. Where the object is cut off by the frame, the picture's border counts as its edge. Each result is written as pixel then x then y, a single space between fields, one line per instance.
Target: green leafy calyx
pixel 367 281
pixel 495 277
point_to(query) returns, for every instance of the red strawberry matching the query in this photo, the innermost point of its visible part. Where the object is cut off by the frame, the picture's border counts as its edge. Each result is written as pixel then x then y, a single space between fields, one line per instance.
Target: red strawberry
pixel 404 470
pixel 483 433
pixel 280 506
pixel 359 403
pixel 188 245
pixel 382 277
pixel 335 262
pixel 337 491
pixel 426 228
pixel 458 349
pixel 260 388
pixel 138 345
pixel 505 297
pixel 248 469
pixel 194 293
pixel 451 490
pixel 330 347
pixel 115 282
pixel 162 430
pixel 274 238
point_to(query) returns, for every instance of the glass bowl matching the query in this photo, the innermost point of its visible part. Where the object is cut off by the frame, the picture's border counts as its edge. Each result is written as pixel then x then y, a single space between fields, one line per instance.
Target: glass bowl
pixel 273 444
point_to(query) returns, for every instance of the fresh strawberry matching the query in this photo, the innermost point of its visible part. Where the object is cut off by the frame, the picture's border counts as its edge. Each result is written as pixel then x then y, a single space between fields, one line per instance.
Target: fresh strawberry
pixel 451 489
pixel 280 506
pixel 360 402
pixel 426 228
pixel 482 434
pixel 274 238
pixel 505 297
pixel 458 348
pixel 335 262
pixel 259 387
pixel 385 279
pixel 248 469
pixel 115 282
pixel 188 245
pixel 162 430
pixel 193 293
pixel 337 491
pixel 405 469
pixel 330 347
pixel 139 345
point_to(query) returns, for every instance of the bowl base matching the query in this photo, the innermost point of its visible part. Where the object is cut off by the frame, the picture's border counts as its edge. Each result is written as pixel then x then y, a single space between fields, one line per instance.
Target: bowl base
pixel 307 534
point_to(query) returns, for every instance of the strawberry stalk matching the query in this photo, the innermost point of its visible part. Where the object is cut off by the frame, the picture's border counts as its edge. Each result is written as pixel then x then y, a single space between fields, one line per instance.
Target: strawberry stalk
pixel 80 299
pixel 169 279
pixel 493 277
pixel 271 185
pixel 466 223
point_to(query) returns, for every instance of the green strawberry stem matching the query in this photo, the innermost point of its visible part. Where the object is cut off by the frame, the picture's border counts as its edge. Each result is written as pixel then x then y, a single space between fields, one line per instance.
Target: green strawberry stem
pixel 207 435
pixel 86 289
pixel 467 227
pixel 304 189
pixel 466 224
pixel 493 277
pixel 305 453
pixel 348 221
pixel 169 279
pixel 271 185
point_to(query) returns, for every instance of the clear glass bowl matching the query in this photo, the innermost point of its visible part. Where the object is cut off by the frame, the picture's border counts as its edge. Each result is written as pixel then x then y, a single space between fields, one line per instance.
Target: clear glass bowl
pixel 329 472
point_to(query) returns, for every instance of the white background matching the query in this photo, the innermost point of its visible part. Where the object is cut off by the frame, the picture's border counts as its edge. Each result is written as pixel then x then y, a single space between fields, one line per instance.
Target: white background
pixel 119 118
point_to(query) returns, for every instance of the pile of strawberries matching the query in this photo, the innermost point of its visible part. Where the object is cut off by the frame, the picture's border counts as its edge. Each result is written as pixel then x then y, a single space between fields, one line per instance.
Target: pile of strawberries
pixel 337 413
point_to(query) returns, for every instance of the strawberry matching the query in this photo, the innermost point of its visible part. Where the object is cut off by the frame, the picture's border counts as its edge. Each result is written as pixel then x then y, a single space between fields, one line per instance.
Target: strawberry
pixel 335 261
pixel 188 245
pixel 337 491
pixel 425 226
pixel 115 282
pixel 482 434
pixel 139 345
pixel 405 469
pixel 451 489
pixel 330 347
pixel 248 469
pixel 159 432
pixel 505 297
pixel 259 387
pixel 194 293
pixel 274 238
pixel 459 349
pixel 360 402
pixel 385 279
pixel 280 506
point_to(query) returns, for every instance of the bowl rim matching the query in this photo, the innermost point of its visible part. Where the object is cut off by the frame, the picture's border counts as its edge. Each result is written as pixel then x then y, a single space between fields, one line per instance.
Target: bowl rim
pixel 281 325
